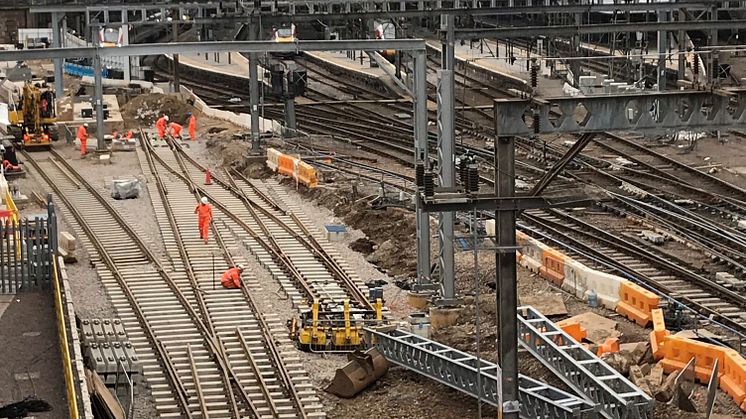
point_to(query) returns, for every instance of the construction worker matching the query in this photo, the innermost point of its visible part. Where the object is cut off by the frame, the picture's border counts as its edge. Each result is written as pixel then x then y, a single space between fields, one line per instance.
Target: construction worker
pixel 83 138
pixel 175 129
pixel 129 135
pixel 192 124
pixel 232 277
pixel 204 212
pixel 160 126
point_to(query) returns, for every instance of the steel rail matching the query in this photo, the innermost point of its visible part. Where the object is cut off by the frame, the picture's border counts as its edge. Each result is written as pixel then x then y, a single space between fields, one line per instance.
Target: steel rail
pixel 212 343
pixel 595 254
pixel 227 381
pixel 176 385
pixel 267 338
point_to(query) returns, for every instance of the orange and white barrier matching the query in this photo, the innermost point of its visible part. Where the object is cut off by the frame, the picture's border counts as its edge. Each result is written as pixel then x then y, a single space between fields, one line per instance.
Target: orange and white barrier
pixel 675 352
pixel 293 167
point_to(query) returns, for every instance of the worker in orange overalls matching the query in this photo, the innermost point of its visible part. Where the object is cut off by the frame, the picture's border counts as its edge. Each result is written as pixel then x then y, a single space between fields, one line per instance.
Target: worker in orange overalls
pixel 129 135
pixel 160 126
pixel 83 138
pixel 192 124
pixel 175 129
pixel 204 212
pixel 232 277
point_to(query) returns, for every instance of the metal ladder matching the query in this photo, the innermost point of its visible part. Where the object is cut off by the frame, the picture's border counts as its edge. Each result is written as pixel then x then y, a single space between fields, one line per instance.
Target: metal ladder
pixel 580 369
pixel 458 370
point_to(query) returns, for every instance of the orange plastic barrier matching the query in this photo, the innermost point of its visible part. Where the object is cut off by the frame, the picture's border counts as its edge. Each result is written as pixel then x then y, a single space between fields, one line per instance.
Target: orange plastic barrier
pixel 574 329
pixel 658 334
pixel 287 165
pixel 553 266
pixel 610 345
pixel 678 351
pixel 636 303
pixel 307 174
pixel 733 380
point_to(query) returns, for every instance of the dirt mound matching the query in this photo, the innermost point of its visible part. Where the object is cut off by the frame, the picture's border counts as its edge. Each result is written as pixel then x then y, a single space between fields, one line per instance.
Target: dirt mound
pixel 145 109
pixel 363 245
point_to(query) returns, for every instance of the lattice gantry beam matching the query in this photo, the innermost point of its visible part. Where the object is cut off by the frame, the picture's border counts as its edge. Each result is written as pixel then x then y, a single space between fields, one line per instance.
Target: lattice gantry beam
pixel 458 370
pixel 579 368
pixel 639 112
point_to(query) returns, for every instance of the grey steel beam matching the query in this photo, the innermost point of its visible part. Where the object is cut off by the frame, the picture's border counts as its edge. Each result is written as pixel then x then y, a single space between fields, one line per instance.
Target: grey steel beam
pixel 217 46
pixel 98 102
pixel 420 12
pixel 507 288
pixel 601 28
pixel 421 157
pixel 460 370
pixel 662 47
pixel 648 112
pixel 446 170
pixel 58 62
pixel 580 369
pixel 560 165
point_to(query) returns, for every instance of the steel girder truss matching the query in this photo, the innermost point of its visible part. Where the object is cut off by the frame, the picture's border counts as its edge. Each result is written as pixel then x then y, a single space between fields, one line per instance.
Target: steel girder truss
pixel 583 371
pixel 638 112
pixel 458 370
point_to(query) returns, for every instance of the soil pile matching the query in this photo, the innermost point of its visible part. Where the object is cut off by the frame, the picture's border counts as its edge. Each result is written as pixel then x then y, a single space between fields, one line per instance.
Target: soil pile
pixel 145 109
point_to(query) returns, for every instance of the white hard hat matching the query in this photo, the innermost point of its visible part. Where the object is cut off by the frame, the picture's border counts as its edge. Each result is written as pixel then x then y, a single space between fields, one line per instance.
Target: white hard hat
pixel 85 124
pixel 204 200
pixel 166 116
pixel 239 266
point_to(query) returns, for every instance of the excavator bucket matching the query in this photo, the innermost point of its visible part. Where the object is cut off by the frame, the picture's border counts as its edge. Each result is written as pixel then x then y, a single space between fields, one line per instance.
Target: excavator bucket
pixel 363 369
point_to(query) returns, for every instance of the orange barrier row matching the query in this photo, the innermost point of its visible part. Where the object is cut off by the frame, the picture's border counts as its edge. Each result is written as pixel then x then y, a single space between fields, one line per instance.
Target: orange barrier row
pixel 675 352
pixel 636 303
pixel 291 166
pixel 659 332
pixel 610 345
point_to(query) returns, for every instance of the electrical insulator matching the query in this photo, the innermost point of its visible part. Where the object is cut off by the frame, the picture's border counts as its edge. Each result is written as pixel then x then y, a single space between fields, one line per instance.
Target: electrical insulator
pixel 419 172
pixel 429 184
pixel 715 67
pixel 534 74
pixel 462 171
pixel 695 64
pixel 473 171
pixel 536 123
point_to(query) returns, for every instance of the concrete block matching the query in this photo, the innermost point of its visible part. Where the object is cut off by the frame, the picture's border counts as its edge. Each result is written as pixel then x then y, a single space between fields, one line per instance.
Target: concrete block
pixel 68 242
pixel 653 237
pixel 742 224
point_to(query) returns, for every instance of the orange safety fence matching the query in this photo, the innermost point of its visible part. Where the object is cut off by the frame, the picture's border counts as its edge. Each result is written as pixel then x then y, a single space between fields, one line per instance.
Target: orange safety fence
pixel 636 303
pixel 678 351
pixel 610 345
pixel 553 266
pixel 659 333
pixel 733 379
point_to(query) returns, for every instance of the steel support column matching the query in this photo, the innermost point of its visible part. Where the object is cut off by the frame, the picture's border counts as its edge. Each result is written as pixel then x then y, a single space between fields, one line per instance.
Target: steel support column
pixel 421 157
pixel 290 126
pixel 682 46
pixel 254 88
pixel 507 298
pixel 58 62
pixel 98 103
pixel 662 47
pixel 175 34
pixel 126 41
pixel 446 175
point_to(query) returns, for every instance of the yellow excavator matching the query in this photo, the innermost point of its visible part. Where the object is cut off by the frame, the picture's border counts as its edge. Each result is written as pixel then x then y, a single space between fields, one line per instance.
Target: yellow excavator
pixel 31 113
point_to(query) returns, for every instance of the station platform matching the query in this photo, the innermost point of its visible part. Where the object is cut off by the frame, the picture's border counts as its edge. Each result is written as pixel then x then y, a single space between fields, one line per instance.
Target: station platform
pixel 228 63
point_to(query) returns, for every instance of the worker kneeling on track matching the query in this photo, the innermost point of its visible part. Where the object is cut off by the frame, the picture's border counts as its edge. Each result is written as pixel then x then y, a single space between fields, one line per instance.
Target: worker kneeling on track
pixel 232 277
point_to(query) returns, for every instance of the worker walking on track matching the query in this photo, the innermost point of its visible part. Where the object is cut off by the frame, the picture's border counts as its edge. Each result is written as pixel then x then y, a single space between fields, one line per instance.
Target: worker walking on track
pixel 192 125
pixel 204 212
pixel 160 126
pixel 175 129
pixel 82 136
pixel 232 277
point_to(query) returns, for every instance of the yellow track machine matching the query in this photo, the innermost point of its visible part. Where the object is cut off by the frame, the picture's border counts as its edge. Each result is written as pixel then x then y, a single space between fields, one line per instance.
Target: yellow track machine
pixel 334 330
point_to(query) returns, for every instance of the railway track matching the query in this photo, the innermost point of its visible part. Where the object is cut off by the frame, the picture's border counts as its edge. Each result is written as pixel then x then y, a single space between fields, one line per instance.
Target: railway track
pixel 305 267
pixel 620 253
pixel 181 330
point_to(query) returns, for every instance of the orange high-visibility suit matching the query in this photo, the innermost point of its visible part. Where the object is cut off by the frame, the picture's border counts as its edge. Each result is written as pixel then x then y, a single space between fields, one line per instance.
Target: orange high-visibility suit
pixel 204 212
pixel 83 137
pixel 192 127
pixel 231 278
pixel 175 129
pixel 160 126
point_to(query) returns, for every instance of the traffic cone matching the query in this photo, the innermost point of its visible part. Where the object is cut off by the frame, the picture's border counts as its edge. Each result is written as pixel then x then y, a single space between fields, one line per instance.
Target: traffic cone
pixel 208 177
